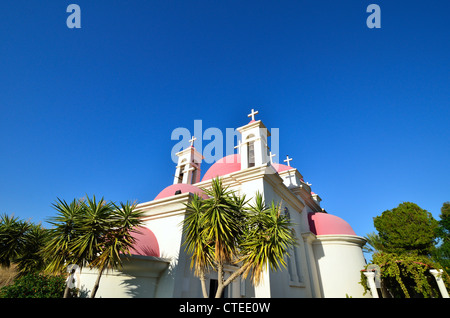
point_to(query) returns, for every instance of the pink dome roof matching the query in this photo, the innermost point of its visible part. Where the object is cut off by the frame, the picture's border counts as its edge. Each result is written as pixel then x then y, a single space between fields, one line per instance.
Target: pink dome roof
pixel 183 187
pixel 145 243
pixel 226 165
pixel 325 224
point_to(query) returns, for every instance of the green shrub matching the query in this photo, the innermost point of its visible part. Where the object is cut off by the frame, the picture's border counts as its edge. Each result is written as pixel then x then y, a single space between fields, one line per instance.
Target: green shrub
pixel 35 286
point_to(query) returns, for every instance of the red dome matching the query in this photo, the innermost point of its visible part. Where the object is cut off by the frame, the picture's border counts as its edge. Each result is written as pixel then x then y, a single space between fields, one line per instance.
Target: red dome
pixel 183 187
pixel 326 224
pixel 223 166
pixel 145 243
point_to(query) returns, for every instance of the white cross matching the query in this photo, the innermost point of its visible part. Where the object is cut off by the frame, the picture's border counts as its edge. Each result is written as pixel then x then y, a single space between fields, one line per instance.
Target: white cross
pixel 192 141
pixel 287 160
pixel 271 155
pixel 252 114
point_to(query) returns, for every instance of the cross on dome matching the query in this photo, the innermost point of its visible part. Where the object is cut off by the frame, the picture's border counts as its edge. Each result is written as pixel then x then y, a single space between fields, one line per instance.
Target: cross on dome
pixel 287 160
pixel 192 141
pixel 252 114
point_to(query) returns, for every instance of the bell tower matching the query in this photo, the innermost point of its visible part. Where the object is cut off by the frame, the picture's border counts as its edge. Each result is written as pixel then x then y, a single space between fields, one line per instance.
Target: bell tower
pixel 188 167
pixel 253 147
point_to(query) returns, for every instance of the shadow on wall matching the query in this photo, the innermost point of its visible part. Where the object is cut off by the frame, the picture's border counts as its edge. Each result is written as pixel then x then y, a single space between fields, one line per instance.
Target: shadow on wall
pixel 139 278
pixel 146 283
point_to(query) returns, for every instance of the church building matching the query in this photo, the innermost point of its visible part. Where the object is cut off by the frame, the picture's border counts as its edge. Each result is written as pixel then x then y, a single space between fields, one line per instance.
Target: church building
pixel 326 262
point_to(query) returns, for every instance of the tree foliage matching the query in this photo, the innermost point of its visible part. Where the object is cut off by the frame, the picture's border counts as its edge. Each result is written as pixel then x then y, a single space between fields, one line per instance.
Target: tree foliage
pixel 91 232
pixel 85 232
pixel 407 228
pixel 21 243
pixel 406 275
pixel 33 285
pixel 442 252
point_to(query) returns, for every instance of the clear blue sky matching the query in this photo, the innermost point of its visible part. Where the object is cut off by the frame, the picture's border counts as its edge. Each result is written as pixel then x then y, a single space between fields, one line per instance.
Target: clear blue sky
pixel 364 112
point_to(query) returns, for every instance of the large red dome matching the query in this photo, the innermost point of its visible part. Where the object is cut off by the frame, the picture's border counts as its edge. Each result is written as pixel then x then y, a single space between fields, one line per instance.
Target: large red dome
pixel 327 224
pixel 223 166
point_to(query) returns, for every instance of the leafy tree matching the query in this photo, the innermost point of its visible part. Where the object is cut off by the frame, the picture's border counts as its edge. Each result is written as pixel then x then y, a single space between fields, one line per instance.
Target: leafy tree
pixel 222 230
pixel 93 233
pixel 406 275
pixel 407 228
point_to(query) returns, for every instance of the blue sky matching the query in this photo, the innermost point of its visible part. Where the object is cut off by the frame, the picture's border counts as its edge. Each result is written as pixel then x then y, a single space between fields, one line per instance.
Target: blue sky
pixel 363 112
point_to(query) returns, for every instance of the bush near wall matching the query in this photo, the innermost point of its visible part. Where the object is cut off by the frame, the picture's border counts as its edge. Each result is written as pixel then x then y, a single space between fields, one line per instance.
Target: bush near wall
pixel 406 276
pixel 35 286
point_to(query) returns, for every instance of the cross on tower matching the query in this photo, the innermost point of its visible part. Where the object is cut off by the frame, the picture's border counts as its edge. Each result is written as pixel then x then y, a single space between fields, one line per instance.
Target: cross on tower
pixel 271 155
pixel 287 160
pixel 192 141
pixel 252 114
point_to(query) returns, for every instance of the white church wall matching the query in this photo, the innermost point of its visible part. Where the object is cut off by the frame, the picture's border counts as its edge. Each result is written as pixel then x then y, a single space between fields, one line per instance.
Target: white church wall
pixel 339 260
pixel 137 279
pixel 165 218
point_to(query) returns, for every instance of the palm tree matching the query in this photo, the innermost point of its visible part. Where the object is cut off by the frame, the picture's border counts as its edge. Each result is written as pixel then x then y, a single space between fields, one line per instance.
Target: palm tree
pixel 221 230
pixel 12 238
pixel 116 241
pixel 93 233
pixel 202 250
pixel 31 259
pixel 374 243
pixel 267 240
pixel 20 244
pixel 61 236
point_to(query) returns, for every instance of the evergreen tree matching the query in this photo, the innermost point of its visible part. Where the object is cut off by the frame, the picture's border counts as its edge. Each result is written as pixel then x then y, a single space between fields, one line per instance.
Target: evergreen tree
pixel 407 228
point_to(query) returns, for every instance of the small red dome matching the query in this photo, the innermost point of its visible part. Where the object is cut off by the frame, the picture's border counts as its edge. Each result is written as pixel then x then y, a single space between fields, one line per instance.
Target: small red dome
pixel 183 187
pixel 145 243
pixel 223 166
pixel 327 224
